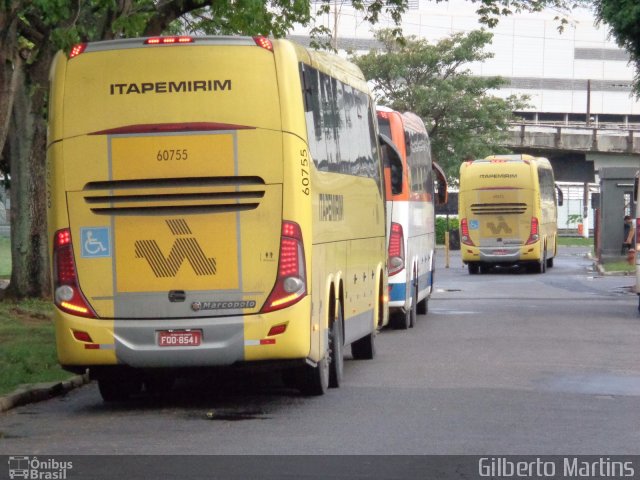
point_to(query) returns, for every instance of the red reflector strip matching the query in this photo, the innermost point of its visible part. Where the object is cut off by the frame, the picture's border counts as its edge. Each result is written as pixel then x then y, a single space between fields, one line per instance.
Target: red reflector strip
pixel 171 127
pixel 92 346
pixel 268 341
pixel 277 329
pixel 82 336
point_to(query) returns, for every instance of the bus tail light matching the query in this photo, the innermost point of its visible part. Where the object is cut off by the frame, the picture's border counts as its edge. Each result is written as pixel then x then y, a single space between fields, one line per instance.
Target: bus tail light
pixel 67 294
pixel 464 231
pixel 534 234
pixel 396 249
pixel 291 284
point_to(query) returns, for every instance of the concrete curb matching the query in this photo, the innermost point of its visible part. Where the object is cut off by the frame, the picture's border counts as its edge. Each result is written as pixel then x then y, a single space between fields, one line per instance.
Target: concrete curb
pixel 40 391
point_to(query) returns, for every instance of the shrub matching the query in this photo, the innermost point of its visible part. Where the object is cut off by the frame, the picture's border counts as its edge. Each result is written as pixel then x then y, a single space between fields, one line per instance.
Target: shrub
pixel 441 227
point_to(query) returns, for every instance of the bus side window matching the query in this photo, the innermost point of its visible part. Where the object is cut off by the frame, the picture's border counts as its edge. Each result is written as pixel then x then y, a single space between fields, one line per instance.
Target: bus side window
pixel 393 161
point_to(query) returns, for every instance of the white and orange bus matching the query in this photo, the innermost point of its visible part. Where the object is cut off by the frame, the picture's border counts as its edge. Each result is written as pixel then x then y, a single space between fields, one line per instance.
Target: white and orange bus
pixel 213 201
pixel 410 196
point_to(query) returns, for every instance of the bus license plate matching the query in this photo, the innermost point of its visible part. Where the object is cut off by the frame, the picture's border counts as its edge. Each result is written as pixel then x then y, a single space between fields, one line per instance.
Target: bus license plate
pixel 179 338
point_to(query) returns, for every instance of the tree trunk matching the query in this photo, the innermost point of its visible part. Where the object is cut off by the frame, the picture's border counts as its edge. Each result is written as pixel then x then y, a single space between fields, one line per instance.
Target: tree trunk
pixel 10 65
pixel 27 152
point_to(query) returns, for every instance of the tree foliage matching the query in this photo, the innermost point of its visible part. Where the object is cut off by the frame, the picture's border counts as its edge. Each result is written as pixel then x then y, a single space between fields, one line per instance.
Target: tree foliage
pixel 435 82
pixel 623 17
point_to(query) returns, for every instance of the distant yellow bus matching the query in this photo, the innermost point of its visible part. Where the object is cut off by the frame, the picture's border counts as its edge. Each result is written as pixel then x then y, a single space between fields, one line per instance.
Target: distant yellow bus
pixel 213 201
pixel 508 213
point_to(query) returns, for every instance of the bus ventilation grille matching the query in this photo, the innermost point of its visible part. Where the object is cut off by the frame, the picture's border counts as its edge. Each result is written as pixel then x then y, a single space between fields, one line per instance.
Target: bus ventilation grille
pixel 498 208
pixel 173 196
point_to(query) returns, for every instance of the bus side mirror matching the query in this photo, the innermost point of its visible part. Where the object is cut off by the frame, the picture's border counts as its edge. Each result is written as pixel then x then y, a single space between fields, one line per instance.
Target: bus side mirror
pixel 442 191
pixel 560 196
pixel 393 161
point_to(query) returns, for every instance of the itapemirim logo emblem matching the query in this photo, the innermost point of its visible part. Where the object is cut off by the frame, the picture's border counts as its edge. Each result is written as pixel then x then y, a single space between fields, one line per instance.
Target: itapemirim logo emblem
pixel 502 225
pixel 185 247
pixel 38 469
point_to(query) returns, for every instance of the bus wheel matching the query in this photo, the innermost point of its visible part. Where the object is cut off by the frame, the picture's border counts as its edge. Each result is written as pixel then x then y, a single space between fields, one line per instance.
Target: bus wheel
pixel 336 357
pixel 119 389
pixel 473 268
pixel 542 266
pixel 413 314
pixel 400 320
pixel 314 381
pixel 423 306
pixel 550 262
pixel 365 348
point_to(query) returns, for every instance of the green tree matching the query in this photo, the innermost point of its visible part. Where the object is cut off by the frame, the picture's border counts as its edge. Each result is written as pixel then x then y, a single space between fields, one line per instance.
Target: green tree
pixel 435 82
pixel 623 17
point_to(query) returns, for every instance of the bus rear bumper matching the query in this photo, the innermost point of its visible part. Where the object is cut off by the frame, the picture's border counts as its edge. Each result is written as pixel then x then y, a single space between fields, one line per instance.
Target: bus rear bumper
pixel 212 341
pixel 502 255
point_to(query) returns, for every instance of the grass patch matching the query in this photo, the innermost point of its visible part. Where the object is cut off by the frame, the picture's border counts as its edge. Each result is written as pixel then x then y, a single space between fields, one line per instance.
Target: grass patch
pixel 5 257
pixel 575 242
pixel 618 266
pixel 27 344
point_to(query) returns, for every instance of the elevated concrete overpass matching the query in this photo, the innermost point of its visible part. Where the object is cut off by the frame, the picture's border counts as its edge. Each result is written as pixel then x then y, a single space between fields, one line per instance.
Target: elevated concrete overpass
pixel 578 153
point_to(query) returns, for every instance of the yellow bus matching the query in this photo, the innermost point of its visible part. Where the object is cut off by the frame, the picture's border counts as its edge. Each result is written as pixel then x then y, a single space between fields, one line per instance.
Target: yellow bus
pixel 508 213
pixel 213 201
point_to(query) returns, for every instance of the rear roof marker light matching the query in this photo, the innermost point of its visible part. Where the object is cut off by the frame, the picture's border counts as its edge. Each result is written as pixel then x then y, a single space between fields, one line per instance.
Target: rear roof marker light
pixel 264 42
pixel 77 50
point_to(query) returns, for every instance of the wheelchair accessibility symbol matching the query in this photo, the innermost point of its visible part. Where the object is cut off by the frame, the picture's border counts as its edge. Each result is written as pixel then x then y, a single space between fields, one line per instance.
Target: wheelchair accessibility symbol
pixel 96 242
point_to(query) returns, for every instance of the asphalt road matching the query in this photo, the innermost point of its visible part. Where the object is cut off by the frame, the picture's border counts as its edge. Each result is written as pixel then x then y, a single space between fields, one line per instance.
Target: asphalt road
pixel 504 363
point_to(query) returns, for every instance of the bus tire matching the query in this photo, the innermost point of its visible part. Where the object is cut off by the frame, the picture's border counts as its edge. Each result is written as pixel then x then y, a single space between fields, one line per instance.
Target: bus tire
pixel 542 266
pixel 118 389
pixel 550 262
pixel 336 356
pixel 423 306
pixel 400 320
pixel 474 268
pixel 314 380
pixel 413 313
pixel 365 348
